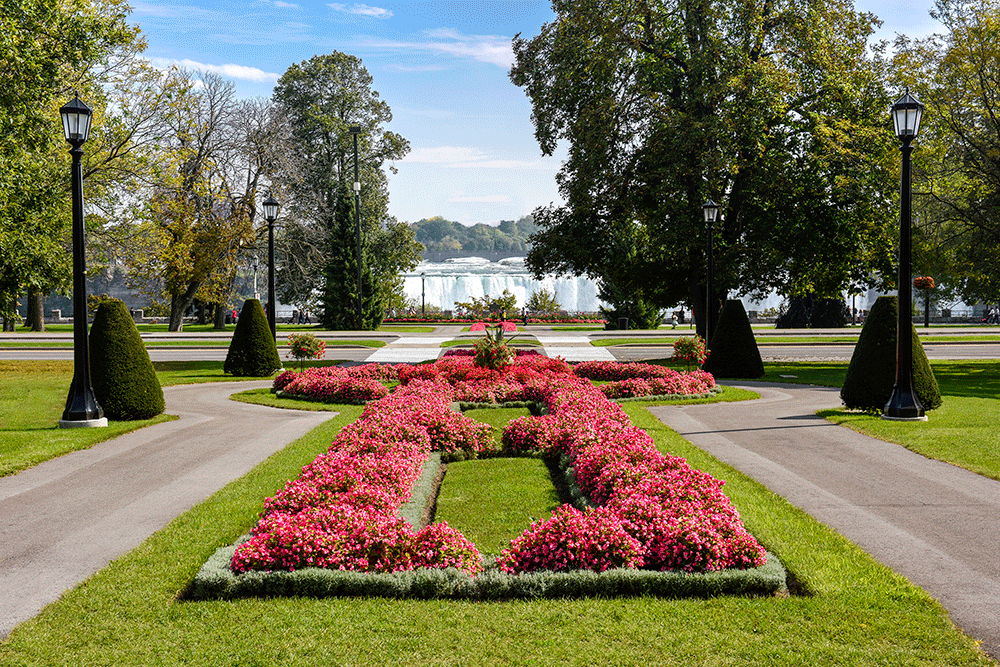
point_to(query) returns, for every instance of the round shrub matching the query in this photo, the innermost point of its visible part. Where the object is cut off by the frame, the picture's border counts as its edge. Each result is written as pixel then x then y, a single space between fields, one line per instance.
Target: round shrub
pixel 872 372
pixel 122 375
pixel 733 346
pixel 252 352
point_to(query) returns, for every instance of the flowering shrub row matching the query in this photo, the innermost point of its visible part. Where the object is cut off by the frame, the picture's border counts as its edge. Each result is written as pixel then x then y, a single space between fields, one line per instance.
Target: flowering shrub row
pixel 694 382
pixel 466 352
pixel 335 384
pixel 614 371
pixel 678 515
pixel 653 511
pixel 340 513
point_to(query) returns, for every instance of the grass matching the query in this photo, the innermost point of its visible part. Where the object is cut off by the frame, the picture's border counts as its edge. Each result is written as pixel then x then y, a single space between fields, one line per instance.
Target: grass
pixel 858 612
pixel 33 396
pixel 32 400
pixel 493 500
pixel 204 342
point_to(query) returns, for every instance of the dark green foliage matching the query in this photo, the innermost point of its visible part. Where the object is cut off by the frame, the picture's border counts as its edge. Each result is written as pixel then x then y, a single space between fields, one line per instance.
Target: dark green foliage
pixel 252 352
pixel 122 375
pixel 641 313
pixel 814 313
pixel 872 372
pixel 734 352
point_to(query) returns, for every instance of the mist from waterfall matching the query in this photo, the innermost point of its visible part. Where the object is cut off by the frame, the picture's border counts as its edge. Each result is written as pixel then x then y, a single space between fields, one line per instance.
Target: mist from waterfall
pixel 458 280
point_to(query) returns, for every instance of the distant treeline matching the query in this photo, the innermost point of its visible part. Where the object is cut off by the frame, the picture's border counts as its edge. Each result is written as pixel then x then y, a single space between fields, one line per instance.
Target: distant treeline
pixel 441 236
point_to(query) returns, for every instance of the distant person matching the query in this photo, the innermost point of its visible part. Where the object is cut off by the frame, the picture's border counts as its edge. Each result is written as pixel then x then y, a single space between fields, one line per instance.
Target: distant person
pixel 295 317
pixel 673 321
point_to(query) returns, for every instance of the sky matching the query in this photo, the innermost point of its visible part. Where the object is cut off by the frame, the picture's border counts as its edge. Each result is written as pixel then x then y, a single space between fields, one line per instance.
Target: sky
pixel 441 65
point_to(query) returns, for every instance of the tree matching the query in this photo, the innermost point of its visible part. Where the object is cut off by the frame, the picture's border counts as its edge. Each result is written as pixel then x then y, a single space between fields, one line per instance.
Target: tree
pixel 321 99
pixel 543 301
pixel 200 210
pixel 957 171
pixel 777 110
pixel 46 49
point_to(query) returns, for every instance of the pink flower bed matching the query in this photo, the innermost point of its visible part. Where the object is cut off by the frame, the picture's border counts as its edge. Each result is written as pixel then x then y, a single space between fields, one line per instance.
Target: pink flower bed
pixel 635 379
pixel 652 511
pixel 340 513
pixel 335 384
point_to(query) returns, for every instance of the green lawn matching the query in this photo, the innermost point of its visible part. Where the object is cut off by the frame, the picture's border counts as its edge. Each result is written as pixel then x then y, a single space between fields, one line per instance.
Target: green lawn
pixel 33 396
pixel 854 612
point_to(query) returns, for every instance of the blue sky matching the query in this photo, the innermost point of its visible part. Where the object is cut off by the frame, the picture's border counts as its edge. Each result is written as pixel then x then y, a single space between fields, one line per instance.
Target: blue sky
pixel 440 64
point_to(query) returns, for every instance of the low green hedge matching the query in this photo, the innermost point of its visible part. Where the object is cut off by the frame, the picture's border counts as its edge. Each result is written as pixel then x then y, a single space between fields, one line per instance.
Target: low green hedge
pixel 216 580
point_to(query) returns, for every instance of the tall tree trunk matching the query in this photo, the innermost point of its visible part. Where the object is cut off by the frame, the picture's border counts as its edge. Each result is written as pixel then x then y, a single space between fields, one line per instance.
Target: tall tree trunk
pixel 220 317
pixel 179 303
pixel 36 311
pixel 201 308
pixel 8 322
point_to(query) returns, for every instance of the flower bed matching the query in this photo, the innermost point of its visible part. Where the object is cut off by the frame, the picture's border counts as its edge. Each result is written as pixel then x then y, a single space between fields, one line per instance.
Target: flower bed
pixel 652 511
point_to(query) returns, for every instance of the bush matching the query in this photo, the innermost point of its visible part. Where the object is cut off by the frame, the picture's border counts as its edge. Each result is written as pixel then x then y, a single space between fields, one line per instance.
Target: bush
pixel 733 346
pixel 122 375
pixel 252 352
pixel 871 374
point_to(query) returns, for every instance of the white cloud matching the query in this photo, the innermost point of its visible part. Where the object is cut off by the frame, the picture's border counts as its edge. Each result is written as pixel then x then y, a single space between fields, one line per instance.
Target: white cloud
pixel 229 70
pixel 491 49
pixel 285 5
pixel 361 10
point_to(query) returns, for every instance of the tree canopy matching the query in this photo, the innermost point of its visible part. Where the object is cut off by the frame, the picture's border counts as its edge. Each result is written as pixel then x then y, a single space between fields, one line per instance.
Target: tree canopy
pixel 957 166
pixel 775 109
pixel 47 49
pixel 321 99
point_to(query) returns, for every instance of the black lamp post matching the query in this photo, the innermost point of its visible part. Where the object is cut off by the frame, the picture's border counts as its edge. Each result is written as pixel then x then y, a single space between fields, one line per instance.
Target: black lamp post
pixel 271 207
pixel 904 405
pixel 423 301
pixel 255 264
pixel 82 408
pixel 355 131
pixel 711 211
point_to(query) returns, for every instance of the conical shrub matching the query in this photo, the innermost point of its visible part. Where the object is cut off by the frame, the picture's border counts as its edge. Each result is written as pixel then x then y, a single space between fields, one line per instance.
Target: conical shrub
pixel 122 375
pixel 733 350
pixel 872 372
pixel 252 352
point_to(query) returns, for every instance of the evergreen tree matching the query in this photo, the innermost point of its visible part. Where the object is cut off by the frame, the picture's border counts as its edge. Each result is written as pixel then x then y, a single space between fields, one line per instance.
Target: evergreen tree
pixel 252 352
pixel 122 375
pixel 871 375
pixel 734 352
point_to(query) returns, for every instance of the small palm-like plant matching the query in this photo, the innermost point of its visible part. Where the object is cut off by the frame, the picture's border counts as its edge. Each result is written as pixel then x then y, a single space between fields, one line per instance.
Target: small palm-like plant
pixel 492 350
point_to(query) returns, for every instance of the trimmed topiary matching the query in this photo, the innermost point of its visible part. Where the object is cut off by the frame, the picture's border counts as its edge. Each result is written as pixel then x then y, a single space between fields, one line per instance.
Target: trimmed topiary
pixel 253 351
pixel 122 375
pixel 733 351
pixel 872 372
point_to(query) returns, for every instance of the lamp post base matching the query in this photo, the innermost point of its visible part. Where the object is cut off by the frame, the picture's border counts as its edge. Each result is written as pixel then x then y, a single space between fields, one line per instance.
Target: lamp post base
pixel 83 423
pixel 905 419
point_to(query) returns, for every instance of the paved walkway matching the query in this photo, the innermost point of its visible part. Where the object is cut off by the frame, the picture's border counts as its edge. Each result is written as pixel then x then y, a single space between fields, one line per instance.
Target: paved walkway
pixel 63 520
pixel 937 524
pixel 934 523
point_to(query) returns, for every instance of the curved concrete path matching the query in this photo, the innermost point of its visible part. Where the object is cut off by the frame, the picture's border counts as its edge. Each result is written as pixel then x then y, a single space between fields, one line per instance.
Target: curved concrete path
pixel 934 523
pixel 65 519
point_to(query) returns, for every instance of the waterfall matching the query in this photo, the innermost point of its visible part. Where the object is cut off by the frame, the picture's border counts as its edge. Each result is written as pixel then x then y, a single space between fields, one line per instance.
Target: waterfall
pixel 458 280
